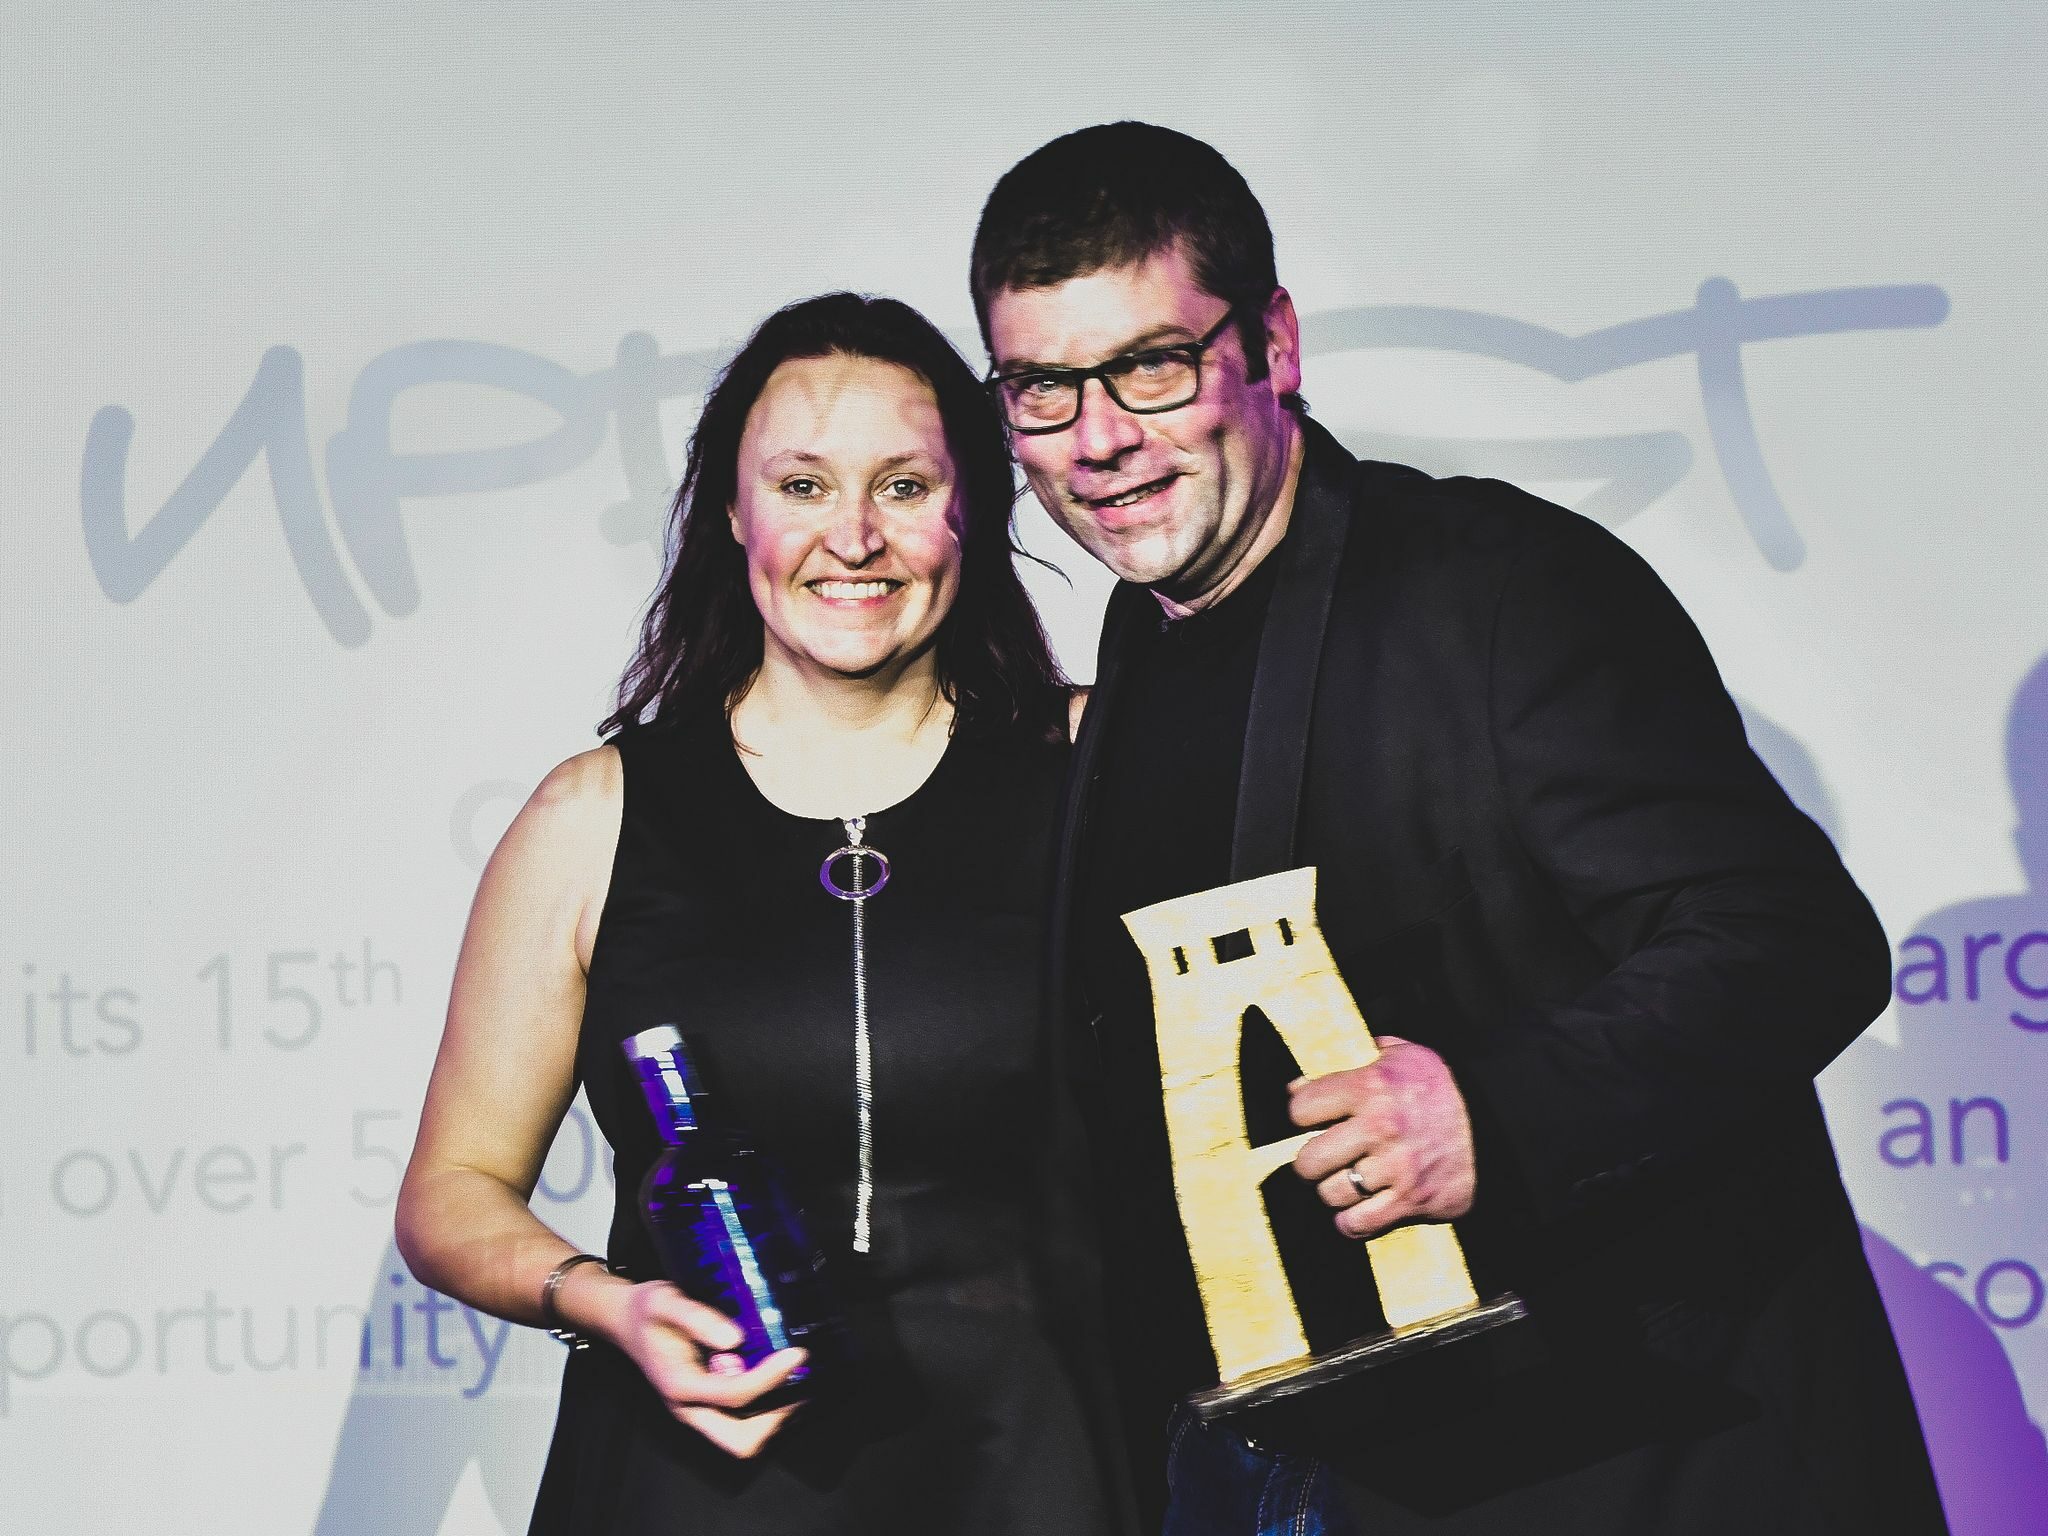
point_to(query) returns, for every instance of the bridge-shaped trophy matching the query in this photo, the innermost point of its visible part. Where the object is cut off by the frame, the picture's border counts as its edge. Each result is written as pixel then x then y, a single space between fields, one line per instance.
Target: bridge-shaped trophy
pixel 1223 962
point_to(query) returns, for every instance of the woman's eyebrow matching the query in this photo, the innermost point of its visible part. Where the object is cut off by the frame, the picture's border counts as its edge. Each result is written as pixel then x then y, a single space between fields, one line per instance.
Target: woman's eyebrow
pixel 789 456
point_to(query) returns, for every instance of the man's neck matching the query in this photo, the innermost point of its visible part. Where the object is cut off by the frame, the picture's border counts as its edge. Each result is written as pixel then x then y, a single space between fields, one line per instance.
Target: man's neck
pixel 1263 543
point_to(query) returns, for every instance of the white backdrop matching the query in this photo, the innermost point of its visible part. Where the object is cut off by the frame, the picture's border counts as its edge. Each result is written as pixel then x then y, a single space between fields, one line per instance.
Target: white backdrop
pixel 346 355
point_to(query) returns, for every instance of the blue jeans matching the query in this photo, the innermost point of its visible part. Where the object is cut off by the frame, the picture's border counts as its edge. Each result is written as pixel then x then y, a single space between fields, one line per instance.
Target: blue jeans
pixel 1220 1484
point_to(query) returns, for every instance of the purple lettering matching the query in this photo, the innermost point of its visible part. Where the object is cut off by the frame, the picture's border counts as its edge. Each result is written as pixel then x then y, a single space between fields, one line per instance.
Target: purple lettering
pixel 1920 1133
pixel 1935 967
pixel 1974 945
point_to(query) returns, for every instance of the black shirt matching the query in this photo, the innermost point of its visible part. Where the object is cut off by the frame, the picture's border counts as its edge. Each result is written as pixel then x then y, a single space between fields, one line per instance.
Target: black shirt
pixel 1160 826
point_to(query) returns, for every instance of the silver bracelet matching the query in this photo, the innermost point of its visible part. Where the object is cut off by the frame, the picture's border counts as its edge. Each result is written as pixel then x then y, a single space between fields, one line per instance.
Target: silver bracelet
pixel 551 1319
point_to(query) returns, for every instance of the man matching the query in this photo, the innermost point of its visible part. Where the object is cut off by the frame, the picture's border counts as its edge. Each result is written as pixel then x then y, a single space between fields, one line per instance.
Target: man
pixel 1603 953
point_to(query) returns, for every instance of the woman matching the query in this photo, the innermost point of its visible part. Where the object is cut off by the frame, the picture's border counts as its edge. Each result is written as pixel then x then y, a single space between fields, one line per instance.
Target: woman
pixel 841 635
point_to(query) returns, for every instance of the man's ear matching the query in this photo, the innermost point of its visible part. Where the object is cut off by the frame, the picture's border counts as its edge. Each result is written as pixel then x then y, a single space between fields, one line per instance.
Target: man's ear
pixel 1283 343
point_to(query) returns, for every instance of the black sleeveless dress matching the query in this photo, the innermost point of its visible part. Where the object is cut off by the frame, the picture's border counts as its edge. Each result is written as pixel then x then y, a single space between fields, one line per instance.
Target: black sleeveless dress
pixel 962 1416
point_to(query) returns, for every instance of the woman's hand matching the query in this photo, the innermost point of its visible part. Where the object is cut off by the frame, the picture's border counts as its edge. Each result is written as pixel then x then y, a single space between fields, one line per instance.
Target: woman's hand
pixel 680 1346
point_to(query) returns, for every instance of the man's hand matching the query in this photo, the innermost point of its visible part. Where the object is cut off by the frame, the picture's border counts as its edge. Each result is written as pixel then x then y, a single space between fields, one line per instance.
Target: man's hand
pixel 1401 1123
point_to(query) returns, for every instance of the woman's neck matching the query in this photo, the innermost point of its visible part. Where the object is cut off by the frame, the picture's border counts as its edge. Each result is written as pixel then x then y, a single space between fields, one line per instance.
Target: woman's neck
pixel 822 746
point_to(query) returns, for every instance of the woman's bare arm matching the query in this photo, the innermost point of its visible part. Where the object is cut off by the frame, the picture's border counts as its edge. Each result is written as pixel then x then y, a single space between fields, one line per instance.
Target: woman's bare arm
pixel 501 1084
pixel 506 1068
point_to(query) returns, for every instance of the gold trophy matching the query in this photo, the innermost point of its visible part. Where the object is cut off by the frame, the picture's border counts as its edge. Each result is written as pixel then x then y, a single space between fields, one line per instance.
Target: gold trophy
pixel 1214 957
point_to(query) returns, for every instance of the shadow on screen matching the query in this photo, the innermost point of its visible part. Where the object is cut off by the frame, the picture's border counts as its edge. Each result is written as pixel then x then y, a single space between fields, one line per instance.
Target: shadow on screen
pixel 437 1386
pixel 1990 1458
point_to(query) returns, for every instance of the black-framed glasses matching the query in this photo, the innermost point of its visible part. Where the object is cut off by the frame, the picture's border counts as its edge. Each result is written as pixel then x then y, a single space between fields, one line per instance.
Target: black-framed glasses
pixel 1156 379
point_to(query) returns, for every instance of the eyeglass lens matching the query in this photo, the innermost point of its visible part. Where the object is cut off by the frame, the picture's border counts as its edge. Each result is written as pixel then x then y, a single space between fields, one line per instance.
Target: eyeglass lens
pixel 1145 381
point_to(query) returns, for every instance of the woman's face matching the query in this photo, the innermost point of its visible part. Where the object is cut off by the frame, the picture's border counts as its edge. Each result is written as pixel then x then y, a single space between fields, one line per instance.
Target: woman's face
pixel 846 509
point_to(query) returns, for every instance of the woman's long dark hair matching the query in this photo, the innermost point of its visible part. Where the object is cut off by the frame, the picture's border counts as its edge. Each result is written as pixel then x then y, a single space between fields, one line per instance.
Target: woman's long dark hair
pixel 700 644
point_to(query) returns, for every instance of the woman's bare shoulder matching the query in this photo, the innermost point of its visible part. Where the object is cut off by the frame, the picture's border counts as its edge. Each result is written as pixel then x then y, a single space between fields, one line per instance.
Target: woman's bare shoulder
pixel 590 783
pixel 571 820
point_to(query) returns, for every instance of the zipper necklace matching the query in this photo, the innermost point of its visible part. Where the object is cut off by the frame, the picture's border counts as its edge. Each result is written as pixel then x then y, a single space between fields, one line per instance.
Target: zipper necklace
pixel 857 850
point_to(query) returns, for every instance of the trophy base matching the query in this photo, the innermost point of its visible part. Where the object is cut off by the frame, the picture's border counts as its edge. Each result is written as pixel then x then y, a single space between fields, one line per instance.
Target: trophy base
pixel 1277 1382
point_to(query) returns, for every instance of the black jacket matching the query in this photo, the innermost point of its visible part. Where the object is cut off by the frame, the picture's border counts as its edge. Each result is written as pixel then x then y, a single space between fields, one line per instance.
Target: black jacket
pixel 1545 850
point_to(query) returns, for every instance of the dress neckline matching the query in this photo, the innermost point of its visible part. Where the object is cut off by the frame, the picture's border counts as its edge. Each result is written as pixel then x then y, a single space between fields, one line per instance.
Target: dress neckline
pixel 731 754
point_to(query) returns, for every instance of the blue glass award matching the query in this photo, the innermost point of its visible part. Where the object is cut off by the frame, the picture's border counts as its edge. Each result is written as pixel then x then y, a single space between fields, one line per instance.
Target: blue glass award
pixel 726 1230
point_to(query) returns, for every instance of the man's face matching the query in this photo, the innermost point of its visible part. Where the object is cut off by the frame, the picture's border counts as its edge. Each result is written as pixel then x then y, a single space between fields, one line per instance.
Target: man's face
pixel 1172 500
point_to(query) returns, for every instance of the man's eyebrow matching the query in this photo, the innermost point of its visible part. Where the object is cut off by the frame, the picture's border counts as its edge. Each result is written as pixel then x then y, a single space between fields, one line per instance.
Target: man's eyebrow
pixel 1168 334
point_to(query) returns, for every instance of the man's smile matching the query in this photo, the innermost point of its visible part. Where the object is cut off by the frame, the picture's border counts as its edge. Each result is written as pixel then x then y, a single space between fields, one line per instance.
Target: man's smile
pixel 1130 497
